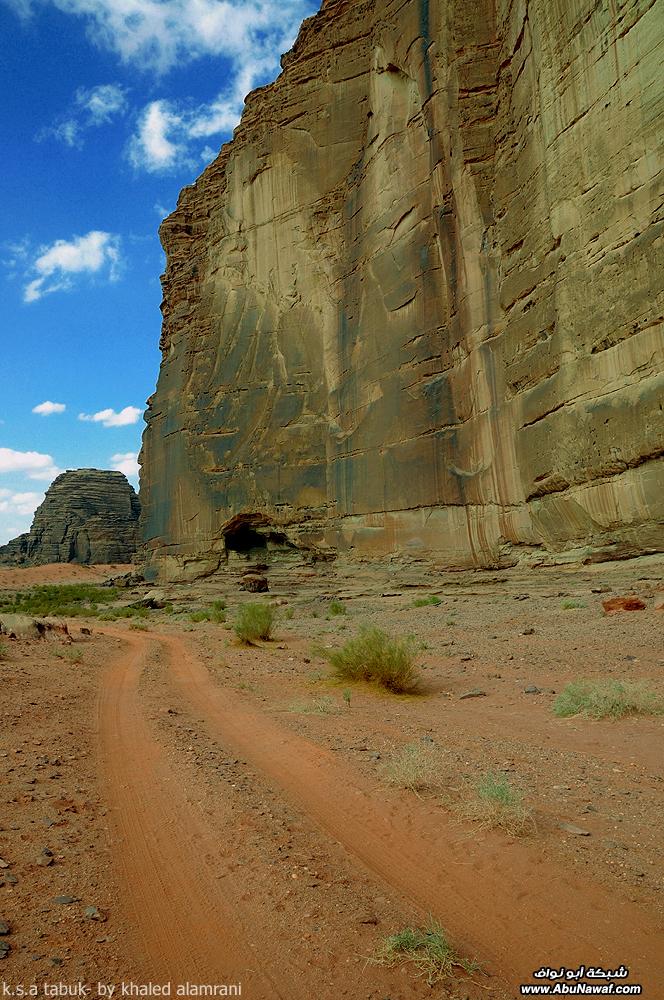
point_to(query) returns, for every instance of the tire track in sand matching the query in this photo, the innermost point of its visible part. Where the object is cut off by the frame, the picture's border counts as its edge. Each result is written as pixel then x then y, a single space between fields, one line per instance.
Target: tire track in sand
pixel 168 857
pixel 504 900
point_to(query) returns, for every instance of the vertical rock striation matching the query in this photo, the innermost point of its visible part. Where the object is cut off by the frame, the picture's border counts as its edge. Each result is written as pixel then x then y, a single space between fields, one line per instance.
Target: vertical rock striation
pixel 415 306
pixel 88 516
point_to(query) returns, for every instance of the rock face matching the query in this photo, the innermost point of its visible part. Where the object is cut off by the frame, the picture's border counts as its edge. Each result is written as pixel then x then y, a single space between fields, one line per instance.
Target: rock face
pixel 415 306
pixel 88 516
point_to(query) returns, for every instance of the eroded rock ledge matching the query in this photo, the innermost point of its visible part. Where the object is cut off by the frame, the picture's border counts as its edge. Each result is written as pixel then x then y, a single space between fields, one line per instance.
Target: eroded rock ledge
pixel 415 306
pixel 88 516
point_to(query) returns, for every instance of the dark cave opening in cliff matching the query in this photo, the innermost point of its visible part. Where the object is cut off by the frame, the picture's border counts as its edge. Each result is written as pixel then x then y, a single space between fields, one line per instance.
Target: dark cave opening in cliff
pixel 245 534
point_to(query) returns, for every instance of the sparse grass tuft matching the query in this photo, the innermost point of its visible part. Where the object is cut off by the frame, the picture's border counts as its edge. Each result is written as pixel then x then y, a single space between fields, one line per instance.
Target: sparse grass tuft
pixel 213 614
pixel 428 949
pixel 254 621
pixel 71 653
pixel 4 652
pixel 139 626
pixel 337 608
pixel 607 699
pixel 570 605
pixel 423 602
pixel 374 656
pixel 414 766
pixel 496 804
pixel 319 706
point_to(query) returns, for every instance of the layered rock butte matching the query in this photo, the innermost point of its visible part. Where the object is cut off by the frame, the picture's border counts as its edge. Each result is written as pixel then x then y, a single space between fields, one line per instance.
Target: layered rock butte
pixel 415 307
pixel 88 516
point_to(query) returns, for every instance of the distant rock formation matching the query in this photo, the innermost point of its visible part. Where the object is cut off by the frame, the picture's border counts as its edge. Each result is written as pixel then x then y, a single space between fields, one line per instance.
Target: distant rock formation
pixel 415 306
pixel 88 516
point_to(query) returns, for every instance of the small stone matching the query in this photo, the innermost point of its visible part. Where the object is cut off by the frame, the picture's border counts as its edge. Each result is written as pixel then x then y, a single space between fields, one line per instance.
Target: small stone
pixel 532 689
pixel 427 739
pixel 616 604
pixel 86 631
pixel 57 961
pixel 528 631
pixel 4 928
pixel 475 693
pixel 65 900
pixel 94 913
pixel 3 863
pixel 578 831
pixel 5 948
pixel 10 879
pixel 521 597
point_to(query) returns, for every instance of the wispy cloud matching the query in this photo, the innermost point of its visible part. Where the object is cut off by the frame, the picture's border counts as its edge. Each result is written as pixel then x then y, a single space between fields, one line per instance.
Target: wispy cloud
pixel 126 462
pixel 111 418
pixel 31 463
pixel 23 504
pixel 47 408
pixel 55 266
pixel 91 108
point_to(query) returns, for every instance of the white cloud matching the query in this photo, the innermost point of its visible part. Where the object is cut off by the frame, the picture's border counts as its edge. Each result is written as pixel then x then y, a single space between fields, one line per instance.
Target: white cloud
pixel 46 408
pixel 126 462
pixel 151 148
pixel 91 107
pixel 102 103
pixel 32 463
pixel 160 34
pixel 55 265
pixel 24 504
pixel 109 417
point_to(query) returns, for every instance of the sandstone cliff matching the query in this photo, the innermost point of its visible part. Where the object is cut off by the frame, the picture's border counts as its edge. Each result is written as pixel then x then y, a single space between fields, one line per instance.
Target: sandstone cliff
pixel 416 305
pixel 88 516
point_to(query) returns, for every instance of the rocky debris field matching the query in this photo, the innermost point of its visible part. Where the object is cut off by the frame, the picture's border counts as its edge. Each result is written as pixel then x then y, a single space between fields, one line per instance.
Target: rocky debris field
pixel 178 806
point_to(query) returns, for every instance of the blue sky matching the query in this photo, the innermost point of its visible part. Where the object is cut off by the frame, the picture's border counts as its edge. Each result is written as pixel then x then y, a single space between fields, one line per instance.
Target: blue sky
pixel 109 107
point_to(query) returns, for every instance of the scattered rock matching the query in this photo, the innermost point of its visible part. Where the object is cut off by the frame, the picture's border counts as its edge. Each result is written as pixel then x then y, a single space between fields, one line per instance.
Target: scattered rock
pixel 5 948
pixel 617 604
pixel 533 689
pixel 4 928
pixel 475 693
pixel 86 631
pixel 3 863
pixel 94 913
pixel 522 597
pixel 578 831
pixel 65 900
pixel 528 631
pixel 600 590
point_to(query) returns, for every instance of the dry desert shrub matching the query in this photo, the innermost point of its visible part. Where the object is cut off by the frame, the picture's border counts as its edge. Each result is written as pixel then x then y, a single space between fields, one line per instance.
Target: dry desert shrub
pixel 607 699
pixel 375 657
pixel 254 621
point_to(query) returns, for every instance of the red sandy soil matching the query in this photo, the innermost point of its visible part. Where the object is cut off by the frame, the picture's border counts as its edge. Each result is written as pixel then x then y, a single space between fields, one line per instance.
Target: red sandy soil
pixel 227 812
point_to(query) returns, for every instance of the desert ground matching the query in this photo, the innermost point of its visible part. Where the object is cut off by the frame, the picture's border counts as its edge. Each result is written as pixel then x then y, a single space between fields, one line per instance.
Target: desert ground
pixel 176 807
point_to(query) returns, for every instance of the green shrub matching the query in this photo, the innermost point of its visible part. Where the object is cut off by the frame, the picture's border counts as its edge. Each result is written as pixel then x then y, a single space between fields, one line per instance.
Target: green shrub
pixel 607 699
pixel 254 621
pixel 61 600
pixel 570 605
pixel 428 949
pixel 374 656
pixel 337 608
pixel 423 602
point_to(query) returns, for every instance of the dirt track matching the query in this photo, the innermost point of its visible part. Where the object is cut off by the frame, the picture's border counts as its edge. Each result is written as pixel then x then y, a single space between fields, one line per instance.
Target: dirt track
pixel 233 830
pixel 511 907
